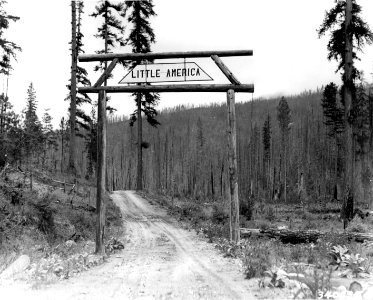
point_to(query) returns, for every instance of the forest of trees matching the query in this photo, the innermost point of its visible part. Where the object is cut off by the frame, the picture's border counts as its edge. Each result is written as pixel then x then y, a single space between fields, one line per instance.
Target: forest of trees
pixel 293 153
pixel 290 149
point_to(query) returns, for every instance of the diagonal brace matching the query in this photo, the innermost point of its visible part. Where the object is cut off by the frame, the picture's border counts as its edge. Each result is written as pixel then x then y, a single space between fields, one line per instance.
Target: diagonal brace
pixel 106 73
pixel 225 70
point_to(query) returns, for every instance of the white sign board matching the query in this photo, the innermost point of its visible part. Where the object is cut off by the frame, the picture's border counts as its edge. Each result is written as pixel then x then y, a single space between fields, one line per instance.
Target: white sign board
pixel 166 72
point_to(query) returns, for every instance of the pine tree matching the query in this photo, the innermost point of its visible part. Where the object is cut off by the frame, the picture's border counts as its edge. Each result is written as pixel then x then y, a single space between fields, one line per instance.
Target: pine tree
pixel 334 119
pixel 74 63
pixel 266 136
pixel 283 117
pixel 9 48
pixel 82 118
pixel 91 145
pixel 49 136
pixel 140 39
pixel 360 123
pixel 9 132
pixel 333 112
pixel 111 31
pixel 33 136
pixel 349 33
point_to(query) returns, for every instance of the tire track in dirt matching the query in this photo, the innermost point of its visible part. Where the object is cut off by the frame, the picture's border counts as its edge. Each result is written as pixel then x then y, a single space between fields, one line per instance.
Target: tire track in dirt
pixel 160 261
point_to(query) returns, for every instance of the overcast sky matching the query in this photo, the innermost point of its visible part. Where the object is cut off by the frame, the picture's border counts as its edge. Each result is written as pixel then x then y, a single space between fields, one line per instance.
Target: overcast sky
pixel 288 55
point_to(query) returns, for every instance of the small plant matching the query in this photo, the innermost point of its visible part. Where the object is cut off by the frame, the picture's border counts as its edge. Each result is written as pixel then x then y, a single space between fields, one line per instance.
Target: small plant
pixel 339 255
pixel 230 249
pixel 351 263
pixel 277 276
pixel 354 265
pixel 315 283
pixel 257 259
pixel 113 244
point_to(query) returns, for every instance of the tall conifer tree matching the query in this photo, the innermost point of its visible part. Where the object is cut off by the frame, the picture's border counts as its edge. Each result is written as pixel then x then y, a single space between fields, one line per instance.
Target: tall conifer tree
pixel 33 135
pixel 349 33
pixel 140 39
pixel 283 117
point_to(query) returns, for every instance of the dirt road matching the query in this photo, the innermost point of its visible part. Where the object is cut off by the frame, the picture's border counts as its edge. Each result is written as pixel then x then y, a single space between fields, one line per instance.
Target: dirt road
pixel 160 261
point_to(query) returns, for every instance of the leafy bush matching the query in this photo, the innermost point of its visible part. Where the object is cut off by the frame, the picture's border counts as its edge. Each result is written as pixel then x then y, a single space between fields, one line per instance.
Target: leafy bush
pixel 44 215
pixel 211 230
pixel 257 258
pixel 83 222
pixel 358 225
pixel 230 249
pixel 316 282
pixel 219 215
pixel 352 264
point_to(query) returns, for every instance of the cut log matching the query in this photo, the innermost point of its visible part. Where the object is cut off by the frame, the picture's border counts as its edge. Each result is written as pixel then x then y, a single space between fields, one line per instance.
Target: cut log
pixel 303 236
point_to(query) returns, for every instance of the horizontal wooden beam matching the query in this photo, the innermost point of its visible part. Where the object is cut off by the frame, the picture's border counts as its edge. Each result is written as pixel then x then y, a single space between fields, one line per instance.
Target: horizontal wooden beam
pixel 161 55
pixel 175 88
pixel 106 73
pixel 225 69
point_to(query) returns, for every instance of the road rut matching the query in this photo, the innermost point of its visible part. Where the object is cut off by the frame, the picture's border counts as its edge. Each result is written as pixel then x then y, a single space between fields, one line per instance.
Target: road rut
pixel 161 260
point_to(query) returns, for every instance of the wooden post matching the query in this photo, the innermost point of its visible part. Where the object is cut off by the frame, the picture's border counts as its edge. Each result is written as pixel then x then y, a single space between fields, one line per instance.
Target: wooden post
pixel 139 144
pixel 225 69
pixel 232 160
pixel 101 170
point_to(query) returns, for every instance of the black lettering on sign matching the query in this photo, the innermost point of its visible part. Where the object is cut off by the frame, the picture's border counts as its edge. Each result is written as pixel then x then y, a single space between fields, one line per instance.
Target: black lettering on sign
pixel 174 74
pixel 157 73
pixel 198 74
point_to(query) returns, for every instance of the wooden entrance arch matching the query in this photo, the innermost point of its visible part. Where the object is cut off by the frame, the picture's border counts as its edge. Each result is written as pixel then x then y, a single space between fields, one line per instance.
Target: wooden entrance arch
pixel 230 89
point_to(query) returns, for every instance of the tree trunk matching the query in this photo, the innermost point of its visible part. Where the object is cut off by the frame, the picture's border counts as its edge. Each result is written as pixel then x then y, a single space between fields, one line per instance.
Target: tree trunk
pixel 347 91
pixel 74 57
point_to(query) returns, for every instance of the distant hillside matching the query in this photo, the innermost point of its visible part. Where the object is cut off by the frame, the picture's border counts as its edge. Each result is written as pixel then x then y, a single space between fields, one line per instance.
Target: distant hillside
pixel 187 154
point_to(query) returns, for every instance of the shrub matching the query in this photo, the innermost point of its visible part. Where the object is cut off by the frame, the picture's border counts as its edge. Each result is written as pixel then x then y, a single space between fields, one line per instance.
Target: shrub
pixel 83 223
pixel 358 225
pixel 219 215
pixel 257 258
pixel 43 215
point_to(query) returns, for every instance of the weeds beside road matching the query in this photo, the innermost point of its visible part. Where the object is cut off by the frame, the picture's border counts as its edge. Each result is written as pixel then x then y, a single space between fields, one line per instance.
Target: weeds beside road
pixel 283 270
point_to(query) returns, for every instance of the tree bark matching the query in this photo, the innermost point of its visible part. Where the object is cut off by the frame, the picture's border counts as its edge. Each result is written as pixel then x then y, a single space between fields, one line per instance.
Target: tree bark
pixel 347 91
pixel 74 57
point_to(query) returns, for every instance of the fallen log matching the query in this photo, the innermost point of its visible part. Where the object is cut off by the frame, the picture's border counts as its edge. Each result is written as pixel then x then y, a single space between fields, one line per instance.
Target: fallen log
pixel 303 236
